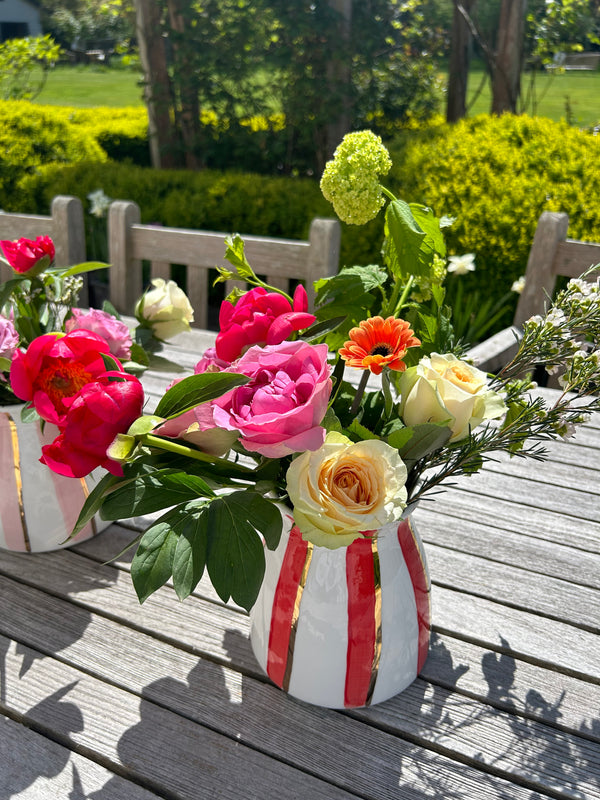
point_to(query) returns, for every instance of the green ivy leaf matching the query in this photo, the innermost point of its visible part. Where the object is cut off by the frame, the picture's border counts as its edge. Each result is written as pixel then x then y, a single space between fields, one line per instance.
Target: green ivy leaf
pixel 196 389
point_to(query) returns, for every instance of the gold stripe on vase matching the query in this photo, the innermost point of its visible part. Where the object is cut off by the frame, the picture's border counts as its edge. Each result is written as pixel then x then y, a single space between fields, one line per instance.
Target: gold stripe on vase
pixel 377 615
pixel 18 481
pixel 295 615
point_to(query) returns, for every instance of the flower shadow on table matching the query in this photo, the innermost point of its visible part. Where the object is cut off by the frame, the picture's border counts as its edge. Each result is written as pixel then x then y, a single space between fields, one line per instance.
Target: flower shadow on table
pixel 19 771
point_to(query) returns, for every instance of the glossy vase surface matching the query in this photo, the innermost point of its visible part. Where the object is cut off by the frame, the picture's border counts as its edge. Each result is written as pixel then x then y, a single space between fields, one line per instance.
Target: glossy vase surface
pixel 344 628
pixel 38 508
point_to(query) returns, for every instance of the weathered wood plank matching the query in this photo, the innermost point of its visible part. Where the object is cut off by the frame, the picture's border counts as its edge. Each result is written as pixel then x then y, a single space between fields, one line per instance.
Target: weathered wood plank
pixel 542 522
pixel 555 598
pixel 263 717
pixel 33 767
pixel 166 751
pixel 503 545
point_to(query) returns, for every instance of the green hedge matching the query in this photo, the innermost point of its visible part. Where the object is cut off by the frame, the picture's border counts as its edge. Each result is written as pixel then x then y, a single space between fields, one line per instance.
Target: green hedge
pixel 496 176
pixel 31 136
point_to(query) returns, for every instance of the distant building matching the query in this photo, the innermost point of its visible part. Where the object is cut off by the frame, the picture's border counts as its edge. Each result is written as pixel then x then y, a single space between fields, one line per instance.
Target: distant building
pixel 19 18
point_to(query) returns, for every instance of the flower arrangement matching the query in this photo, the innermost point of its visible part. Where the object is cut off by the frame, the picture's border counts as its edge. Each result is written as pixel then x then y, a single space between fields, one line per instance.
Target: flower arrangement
pixel 345 416
pixel 72 366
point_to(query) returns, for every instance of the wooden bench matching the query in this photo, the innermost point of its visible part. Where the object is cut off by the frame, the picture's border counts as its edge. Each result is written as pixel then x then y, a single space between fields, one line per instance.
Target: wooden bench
pixel 65 227
pixel 551 255
pixel 575 61
pixel 281 260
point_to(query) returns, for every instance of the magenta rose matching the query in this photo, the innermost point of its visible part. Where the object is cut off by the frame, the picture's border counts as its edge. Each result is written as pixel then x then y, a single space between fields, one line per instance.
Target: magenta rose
pixel 9 338
pixel 25 254
pixel 260 317
pixel 101 410
pixel 53 370
pixel 115 332
pixel 279 411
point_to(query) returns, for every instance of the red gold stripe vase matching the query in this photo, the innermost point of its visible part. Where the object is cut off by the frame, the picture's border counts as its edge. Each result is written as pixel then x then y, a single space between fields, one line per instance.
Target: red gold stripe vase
pixel 38 509
pixel 344 628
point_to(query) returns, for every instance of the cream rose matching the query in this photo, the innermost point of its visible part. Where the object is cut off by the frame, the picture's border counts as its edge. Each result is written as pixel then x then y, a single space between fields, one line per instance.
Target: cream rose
pixel 443 388
pixel 166 308
pixel 343 489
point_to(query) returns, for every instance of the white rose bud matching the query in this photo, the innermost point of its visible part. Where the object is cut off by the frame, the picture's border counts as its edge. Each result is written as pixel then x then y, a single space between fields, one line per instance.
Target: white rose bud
pixel 443 388
pixel 166 308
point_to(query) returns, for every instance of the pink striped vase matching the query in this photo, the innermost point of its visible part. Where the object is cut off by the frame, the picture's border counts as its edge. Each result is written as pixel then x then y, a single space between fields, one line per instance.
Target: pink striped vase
pixel 38 508
pixel 344 628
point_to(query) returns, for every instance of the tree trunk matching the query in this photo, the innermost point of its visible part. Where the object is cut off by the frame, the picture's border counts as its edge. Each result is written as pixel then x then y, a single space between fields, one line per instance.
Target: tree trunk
pixel 506 78
pixel 458 69
pixel 339 75
pixel 157 92
pixel 188 113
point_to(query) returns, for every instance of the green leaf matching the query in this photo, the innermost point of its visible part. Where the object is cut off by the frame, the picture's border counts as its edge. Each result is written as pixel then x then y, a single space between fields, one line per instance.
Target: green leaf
pixel 7 288
pixel 110 309
pixel 148 493
pixel 110 363
pixel 189 559
pixel 197 389
pixel 152 564
pixel 331 422
pixel 5 364
pixel 404 238
pixel 319 329
pixel 236 560
pixel 434 242
pixel 29 414
pixel 237 258
pixel 78 269
pixel 359 432
pixel 139 355
pixel 93 502
pixel 423 439
pixel 350 282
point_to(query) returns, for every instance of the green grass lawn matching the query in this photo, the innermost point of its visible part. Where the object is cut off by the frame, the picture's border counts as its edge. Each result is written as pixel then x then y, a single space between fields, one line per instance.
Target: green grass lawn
pixel 90 86
pixel 571 95
pixel 574 96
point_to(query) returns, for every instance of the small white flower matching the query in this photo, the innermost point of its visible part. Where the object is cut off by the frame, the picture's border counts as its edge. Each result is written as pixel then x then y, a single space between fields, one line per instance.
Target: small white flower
pixel 461 265
pixel 99 203
pixel 518 285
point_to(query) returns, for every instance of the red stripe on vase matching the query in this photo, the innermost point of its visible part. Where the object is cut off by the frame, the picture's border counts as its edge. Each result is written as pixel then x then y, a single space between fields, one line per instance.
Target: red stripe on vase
pixel 362 624
pixel 286 604
pixel 420 582
pixel 12 511
pixel 71 493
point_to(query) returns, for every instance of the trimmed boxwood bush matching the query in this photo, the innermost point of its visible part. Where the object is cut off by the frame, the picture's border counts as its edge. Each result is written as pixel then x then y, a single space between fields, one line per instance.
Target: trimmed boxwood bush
pixel 31 136
pixel 496 176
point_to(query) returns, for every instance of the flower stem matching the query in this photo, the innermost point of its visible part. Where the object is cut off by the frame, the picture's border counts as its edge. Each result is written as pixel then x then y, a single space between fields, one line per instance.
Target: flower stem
pixel 174 447
pixel 387 394
pixel 359 392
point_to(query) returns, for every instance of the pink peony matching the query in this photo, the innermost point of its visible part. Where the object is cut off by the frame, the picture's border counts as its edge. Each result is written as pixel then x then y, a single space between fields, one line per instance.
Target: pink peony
pixel 102 409
pixel 24 254
pixel 278 412
pixel 9 338
pixel 210 362
pixel 115 332
pixel 260 317
pixel 53 370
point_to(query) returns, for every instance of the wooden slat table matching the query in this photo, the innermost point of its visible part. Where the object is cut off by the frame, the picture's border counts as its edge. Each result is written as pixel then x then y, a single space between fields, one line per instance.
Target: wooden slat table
pixel 104 699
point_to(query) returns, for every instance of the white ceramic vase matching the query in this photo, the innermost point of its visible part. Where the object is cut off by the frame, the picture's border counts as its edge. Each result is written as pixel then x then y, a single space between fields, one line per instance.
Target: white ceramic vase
pixel 38 509
pixel 344 628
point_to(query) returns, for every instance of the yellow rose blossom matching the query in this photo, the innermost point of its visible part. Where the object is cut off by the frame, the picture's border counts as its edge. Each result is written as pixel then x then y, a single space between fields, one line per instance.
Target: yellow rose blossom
pixel 344 489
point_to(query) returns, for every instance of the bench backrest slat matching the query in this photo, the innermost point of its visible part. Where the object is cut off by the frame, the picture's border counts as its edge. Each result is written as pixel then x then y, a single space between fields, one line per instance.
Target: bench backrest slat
pixel 280 260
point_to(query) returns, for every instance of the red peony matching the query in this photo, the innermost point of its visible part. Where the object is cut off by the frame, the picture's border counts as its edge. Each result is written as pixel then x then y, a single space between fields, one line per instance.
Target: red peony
pixel 54 368
pixel 101 410
pixel 24 254
pixel 260 317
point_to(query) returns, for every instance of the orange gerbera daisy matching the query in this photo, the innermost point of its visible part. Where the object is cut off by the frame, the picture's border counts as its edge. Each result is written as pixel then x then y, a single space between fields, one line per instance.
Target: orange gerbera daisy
pixel 379 343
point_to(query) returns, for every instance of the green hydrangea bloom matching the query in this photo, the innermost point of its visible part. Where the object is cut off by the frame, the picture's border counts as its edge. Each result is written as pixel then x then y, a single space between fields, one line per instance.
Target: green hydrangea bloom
pixel 422 291
pixel 351 180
